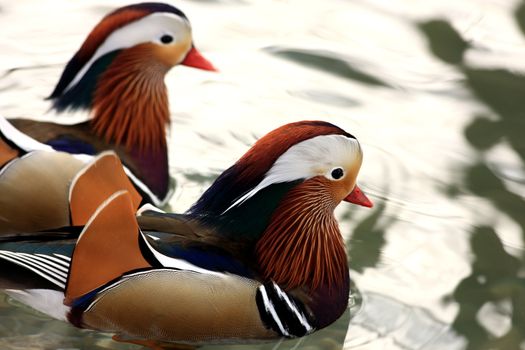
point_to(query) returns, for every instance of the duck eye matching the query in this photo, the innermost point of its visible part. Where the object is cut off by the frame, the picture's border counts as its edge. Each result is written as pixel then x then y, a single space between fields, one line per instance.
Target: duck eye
pixel 337 173
pixel 166 39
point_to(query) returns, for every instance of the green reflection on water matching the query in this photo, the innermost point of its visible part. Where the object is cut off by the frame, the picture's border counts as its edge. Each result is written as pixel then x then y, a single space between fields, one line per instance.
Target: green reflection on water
pixel 520 16
pixel 368 239
pixel 444 42
pixel 327 62
pixel 504 93
pixel 493 281
pixel 495 288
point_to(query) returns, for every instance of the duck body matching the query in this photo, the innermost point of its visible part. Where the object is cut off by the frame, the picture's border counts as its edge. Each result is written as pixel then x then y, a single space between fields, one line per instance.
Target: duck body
pixel 117 79
pixel 149 168
pixel 212 274
pixel 193 291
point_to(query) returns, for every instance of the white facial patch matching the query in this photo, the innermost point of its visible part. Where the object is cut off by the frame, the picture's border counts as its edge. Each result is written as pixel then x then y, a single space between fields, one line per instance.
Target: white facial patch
pixel 147 29
pixel 307 159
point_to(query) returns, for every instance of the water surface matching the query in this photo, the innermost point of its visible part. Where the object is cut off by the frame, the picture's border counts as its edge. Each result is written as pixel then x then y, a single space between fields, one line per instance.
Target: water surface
pixel 435 92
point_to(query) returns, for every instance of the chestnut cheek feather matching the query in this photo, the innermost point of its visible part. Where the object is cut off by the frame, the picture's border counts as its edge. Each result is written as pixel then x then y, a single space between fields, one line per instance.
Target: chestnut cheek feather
pixel 338 188
pixel 171 55
pixel 302 245
pixel 130 103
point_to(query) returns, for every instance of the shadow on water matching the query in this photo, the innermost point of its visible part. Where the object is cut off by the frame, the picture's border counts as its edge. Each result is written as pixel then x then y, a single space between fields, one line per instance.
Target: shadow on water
pixel 492 286
pixel 327 62
pixel 444 42
pixel 368 239
pixel 520 16
pixel 492 298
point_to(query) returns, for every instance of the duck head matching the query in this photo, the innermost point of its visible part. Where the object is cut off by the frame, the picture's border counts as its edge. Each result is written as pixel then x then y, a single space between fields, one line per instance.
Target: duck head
pixel 118 72
pixel 289 157
pixel 281 195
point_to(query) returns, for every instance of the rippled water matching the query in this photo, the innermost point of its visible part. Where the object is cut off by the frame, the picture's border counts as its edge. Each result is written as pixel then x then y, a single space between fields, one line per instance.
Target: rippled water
pixel 435 92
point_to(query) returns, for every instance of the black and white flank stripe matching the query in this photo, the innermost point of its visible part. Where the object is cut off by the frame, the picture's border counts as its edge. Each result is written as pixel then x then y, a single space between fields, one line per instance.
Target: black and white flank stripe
pixel 281 312
pixel 53 268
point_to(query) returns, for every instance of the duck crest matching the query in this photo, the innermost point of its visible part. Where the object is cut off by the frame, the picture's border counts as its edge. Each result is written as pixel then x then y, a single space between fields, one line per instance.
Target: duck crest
pixel 98 35
pixel 302 245
pixel 123 88
pixel 251 168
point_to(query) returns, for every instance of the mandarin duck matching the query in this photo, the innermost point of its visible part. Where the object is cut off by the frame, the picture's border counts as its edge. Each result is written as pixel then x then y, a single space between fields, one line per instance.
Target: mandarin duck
pixel 258 257
pixel 117 77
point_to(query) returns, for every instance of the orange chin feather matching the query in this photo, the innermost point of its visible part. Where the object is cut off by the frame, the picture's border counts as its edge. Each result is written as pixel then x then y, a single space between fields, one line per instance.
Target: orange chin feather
pixel 130 103
pixel 303 244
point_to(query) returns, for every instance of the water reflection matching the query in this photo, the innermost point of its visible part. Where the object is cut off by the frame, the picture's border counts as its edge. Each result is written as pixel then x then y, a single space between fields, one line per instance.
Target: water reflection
pixel 520 16
pixel 494 280
pixel 445 43
pixel 368 240
pixel 328 62
pixel 24 329
pixel 492 297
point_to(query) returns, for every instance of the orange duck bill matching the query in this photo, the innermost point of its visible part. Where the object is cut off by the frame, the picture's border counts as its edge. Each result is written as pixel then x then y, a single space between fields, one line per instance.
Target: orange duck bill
pixel 358 197
pixel 196 60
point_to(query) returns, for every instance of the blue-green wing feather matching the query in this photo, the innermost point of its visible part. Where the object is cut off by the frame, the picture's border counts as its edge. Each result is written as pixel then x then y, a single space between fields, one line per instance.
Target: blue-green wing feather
pixel 205 256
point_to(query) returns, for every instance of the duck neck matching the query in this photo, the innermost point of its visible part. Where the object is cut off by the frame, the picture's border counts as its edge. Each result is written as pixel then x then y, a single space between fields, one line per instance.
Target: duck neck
pixel 130 102
pixel 151 166
pixel 302 247
pixel 244 222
